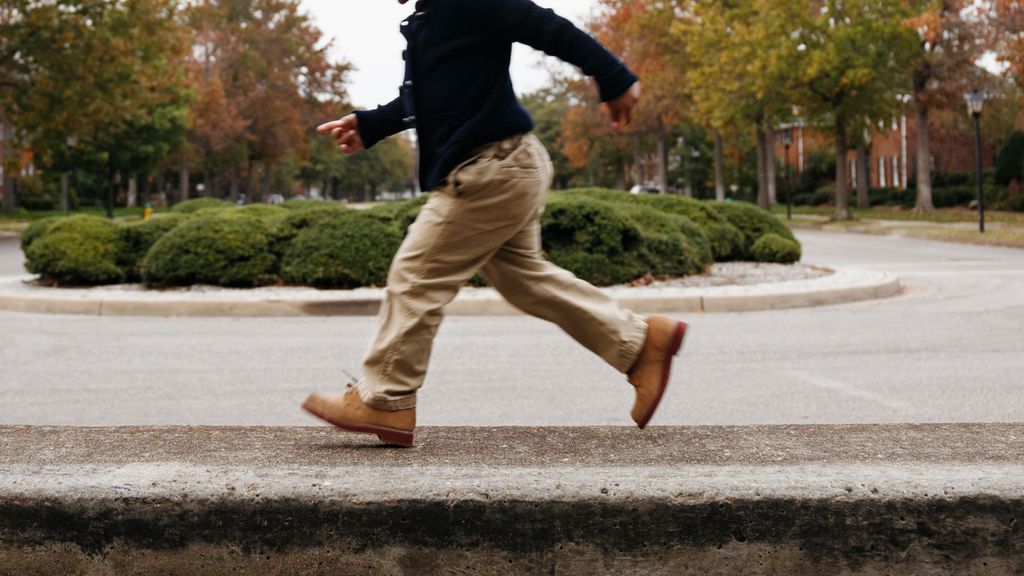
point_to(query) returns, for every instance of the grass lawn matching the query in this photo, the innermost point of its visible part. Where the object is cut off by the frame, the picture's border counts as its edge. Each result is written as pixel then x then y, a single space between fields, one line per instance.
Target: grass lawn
pixel 947 224
pixel 19 220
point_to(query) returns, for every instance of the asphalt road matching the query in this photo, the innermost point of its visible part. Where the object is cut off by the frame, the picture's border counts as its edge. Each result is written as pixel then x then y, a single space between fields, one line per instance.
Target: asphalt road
pixel 951 350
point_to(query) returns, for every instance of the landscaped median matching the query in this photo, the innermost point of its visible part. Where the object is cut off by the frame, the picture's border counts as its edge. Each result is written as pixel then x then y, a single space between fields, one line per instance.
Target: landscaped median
pixel 751 500
pixel 832 287
pixel 208 258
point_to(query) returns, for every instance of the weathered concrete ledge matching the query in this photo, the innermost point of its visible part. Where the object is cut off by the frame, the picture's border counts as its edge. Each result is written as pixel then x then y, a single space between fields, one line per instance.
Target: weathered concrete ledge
pixel 865 499
pixel 844 285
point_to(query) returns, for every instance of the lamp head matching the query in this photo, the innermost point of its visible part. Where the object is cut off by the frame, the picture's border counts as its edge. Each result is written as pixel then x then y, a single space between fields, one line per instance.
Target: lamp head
pixel 975 102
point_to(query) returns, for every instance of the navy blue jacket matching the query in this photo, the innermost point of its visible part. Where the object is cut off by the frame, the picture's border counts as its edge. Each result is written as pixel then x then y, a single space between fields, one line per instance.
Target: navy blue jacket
pixel 457 92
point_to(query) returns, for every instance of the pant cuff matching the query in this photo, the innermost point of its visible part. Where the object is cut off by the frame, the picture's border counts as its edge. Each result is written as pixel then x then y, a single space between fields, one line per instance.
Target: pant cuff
pixel 629 350
pixel 382 402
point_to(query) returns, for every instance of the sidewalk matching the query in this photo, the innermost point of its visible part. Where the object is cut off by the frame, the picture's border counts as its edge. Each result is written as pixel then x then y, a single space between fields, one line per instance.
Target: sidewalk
pixel 844 285
pixel 757 500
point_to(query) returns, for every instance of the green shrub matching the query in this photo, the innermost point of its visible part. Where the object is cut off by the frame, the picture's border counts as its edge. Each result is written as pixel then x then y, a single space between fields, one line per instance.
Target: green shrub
pixel 213 249
pixel 726 242
pixel 1016 203
pixel 36 230
pixel 33 194
pixel 196 204
pixel 314 213
pixel 673 244
pixel 775 248
pixel 592 240
pixel 753 223
pixel 79 250
pixel 349 252
pixel 140 236
pixel 268 211
pixel 399 213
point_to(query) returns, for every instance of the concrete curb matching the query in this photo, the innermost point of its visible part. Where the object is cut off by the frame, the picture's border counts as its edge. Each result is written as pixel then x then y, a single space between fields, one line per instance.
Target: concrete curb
pixel 758 500
pixel 844 285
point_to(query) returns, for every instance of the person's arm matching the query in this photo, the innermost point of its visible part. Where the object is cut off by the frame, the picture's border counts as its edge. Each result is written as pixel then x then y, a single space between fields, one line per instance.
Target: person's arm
pixel 376 125
pixel 525 22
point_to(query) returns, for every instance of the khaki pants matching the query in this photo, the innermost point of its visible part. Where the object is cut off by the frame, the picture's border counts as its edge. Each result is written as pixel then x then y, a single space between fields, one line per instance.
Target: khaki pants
pixel 485 216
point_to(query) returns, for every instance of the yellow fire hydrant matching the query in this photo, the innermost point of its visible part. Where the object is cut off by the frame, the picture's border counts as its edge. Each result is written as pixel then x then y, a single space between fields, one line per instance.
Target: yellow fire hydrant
pixel 147 211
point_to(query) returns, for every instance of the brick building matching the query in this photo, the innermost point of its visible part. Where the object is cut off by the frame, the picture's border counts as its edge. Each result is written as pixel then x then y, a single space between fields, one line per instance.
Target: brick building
pixel 892 154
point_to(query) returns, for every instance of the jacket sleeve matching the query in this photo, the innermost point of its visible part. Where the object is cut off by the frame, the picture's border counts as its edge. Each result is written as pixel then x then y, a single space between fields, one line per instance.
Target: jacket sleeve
pixel 525 22
pixel 376 125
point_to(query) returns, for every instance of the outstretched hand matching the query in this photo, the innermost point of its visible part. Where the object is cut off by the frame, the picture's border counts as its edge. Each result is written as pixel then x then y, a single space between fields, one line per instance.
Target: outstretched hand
pixel 344 132
pixel 621 107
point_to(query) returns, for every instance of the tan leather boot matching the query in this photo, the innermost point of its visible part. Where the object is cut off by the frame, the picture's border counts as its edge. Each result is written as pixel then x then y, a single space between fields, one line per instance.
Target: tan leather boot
pixel 350 413
pixel 650 374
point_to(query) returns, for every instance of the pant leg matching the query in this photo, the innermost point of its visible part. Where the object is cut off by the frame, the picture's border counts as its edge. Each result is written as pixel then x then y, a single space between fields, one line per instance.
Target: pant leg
pixel 485 202
pixel 539 288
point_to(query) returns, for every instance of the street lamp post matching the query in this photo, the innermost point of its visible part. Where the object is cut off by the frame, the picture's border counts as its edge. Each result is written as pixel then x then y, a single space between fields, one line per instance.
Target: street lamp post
pixel 787 140
pixel 975 102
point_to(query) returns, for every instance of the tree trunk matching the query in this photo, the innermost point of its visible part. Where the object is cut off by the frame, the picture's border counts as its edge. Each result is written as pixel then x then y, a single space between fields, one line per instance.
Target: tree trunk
pixel 265 191
pixel 863 198
pixel 133 191
pixel 233 185
pixel 842 192
pixel 663 159
pixel 183 180
pixel 924 163
pixel 719 168
pixel 65 199
pixel 111 185
pixel 6 129
pixel 762 169
pixel 638 176
pixel 773 195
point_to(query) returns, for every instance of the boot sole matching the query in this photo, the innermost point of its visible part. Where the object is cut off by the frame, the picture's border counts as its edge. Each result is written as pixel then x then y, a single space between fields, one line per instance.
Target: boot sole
pixel 666 368
pixel 391 436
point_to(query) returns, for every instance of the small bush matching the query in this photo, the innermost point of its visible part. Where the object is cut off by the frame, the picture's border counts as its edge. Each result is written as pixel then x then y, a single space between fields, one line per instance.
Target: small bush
pixel 775 248
pixel 196 204
pixel 753 223
pixel 267 211
pixel 309 214
pixel 1016 203
pixel 726 242
pixel 79 251
pixel 342 253
pixel 400 213
pixel 592 240
pixel 36 230
pixel 140 236
pixel 213 249
pixel 33 194
pixel 673 244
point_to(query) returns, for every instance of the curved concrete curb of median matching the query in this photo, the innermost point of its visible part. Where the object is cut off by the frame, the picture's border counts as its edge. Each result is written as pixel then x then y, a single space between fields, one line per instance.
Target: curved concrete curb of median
pixel 844 285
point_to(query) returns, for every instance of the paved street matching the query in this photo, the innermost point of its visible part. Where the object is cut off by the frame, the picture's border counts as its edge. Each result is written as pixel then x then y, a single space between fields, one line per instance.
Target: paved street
pixel 952 349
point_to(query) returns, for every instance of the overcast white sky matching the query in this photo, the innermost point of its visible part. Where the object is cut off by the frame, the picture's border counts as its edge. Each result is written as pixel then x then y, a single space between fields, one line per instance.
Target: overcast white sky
pixel 366 34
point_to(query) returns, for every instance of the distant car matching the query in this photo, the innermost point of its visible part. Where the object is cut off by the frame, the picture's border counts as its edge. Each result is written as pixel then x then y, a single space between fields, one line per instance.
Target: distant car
pixel 638 189
pixel 276 199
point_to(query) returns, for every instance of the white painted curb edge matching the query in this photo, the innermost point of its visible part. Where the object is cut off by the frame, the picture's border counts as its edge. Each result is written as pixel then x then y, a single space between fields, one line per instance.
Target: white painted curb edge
pixel 845 285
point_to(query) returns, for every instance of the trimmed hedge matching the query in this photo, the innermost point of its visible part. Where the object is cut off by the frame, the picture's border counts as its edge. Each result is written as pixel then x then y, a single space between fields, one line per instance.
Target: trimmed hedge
pixel 726 242
pixel 36 230
pixel 196 204
pixel 592 240
pixel 79 250
pixel 213 249
pixel 603 236
pixel 342 253
pixel 752 222
pixel 775 248
pixel 140 236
